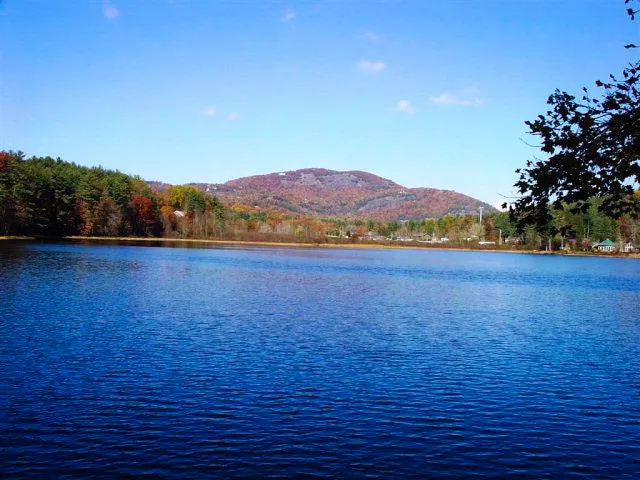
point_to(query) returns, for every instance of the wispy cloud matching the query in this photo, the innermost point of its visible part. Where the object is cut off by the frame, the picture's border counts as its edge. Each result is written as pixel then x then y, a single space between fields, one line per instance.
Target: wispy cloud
pixel 209 112
pixel 371 36
pixel 404 106
pixel 468 97
pixel 110 11
pixel 368 66
pixel 288 15
pixel 233 116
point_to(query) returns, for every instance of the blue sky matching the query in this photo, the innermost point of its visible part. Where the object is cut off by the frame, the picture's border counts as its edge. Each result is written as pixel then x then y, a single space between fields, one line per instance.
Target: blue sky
pixel 426 93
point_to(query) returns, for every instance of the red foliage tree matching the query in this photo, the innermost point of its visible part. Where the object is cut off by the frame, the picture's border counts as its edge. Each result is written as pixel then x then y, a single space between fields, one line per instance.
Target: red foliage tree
pixel 4 160
pixel 146 214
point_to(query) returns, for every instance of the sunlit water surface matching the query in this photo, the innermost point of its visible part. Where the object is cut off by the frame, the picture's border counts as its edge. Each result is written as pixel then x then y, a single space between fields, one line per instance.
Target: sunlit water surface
pixel 251 363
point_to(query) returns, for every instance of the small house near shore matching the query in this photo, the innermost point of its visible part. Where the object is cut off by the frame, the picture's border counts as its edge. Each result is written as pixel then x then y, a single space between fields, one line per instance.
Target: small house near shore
pixel 606 246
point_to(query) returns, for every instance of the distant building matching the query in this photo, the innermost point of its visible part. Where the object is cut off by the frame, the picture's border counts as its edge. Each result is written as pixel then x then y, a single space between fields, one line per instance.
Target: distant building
pixel 606 246
pixel 426 239
pixel 628 248
pixel 372 236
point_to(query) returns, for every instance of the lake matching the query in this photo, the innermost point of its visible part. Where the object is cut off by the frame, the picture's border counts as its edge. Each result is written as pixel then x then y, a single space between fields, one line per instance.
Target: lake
pixel 129 361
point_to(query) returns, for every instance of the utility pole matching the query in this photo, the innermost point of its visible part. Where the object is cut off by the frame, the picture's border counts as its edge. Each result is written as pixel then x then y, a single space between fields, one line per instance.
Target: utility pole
pixel 480 208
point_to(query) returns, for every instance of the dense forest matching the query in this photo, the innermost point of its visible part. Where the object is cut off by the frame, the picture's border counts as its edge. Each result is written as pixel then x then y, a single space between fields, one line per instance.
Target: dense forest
pixel 43 196
pixel 46 196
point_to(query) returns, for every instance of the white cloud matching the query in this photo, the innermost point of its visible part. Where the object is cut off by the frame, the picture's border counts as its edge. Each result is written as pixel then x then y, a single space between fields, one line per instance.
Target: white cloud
pixel 454 99
pixel 368 66
pixel 371 36
pixel 110 11
pixel 288 15
pixel 233 116
pixel 404 106
pixel 209 112
pixel 466 98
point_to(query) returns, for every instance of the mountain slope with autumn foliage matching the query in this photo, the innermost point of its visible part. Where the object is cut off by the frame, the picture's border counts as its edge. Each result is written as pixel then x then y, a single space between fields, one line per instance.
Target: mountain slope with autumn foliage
pixel 351 194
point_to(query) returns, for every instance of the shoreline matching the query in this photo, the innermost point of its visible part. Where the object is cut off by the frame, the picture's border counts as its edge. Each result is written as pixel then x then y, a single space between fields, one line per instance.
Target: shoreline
pixel 371 246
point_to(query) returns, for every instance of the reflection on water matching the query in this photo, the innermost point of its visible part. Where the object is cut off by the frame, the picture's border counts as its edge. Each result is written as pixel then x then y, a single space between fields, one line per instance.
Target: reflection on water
pixel 234 362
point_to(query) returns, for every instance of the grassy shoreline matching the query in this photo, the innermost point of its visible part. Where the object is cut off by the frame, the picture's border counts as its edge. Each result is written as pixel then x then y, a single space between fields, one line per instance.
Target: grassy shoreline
pixel 372 246
pixel 15 237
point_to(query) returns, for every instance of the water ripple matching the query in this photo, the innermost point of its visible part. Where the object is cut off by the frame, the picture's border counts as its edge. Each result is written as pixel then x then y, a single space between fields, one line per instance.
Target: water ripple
pixel 271 363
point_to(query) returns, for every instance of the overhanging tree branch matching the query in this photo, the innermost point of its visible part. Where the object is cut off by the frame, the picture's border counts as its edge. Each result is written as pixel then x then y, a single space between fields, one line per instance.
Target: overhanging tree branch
pixel 592 148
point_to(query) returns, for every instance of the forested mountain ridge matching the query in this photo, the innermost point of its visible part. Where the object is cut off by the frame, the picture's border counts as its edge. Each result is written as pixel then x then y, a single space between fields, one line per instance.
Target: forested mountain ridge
pixel 348 194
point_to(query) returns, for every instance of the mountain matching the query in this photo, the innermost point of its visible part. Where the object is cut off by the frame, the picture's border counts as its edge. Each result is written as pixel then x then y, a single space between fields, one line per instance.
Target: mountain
pixel 330 193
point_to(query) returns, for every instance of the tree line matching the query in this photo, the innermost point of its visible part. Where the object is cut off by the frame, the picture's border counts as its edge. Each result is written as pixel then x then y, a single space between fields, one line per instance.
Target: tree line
pixel 47 196
pixel 565 229
pixel 43 196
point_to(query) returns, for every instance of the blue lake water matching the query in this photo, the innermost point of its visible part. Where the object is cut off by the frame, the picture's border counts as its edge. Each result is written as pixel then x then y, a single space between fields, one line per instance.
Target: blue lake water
pixel 128 361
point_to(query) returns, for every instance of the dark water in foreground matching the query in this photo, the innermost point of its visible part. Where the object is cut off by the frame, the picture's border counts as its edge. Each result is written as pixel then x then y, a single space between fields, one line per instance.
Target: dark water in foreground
pixel 124 361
